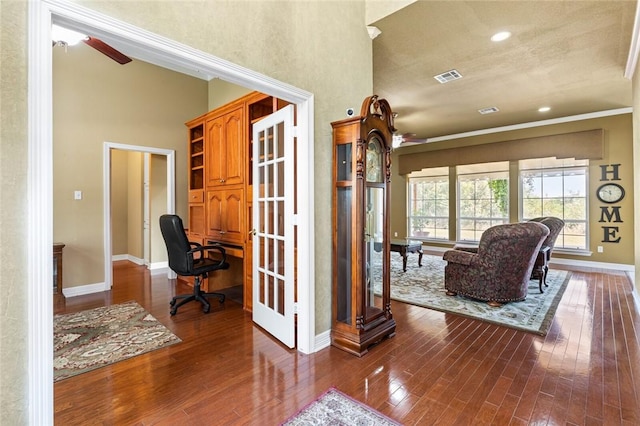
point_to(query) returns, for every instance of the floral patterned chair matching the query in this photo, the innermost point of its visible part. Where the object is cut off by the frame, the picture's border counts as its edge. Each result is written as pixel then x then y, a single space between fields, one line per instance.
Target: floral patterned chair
pixel 499 271
pixel 541 267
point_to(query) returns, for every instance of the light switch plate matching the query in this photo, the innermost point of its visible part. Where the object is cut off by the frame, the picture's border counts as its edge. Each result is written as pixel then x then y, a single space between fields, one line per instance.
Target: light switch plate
pixel 77 195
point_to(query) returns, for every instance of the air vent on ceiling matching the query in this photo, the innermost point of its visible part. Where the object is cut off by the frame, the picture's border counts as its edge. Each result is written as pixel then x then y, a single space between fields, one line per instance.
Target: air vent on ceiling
pixel 489 110
pixel 448 76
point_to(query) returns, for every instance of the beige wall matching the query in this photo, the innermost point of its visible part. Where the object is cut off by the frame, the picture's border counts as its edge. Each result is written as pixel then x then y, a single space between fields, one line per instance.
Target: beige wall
pixel 97 100
pixel 119 201
pixel 13 212
pixel 319 46
pixel 222 92
pixel 636 166
pixel 377 9
pixel 135 204
pixel 157 206
pixel 618 149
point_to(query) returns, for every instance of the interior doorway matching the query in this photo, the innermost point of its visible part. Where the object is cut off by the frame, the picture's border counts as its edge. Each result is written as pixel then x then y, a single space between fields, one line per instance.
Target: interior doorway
pixel 138 198
pixel 108 191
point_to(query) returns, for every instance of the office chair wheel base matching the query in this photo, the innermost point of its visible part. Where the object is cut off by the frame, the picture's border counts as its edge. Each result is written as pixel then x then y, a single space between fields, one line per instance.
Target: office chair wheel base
pixel 173 302
pixel 173 312
pixel 206 309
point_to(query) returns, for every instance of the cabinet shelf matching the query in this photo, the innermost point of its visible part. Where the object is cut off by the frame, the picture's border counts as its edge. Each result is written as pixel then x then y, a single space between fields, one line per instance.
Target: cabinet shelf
pixel 197 149
pixel 196 156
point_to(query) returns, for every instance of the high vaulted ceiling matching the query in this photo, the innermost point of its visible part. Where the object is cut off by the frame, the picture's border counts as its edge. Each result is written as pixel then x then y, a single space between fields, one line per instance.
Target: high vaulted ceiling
pixel 567 55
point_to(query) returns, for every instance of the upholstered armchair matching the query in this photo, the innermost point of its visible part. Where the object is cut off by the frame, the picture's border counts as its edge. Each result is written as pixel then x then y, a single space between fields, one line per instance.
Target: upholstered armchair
pixel 499 271
pixel 541 267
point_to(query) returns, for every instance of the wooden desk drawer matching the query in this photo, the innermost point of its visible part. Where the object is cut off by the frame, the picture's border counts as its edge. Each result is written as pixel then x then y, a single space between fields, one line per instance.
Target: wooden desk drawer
pixel 196 196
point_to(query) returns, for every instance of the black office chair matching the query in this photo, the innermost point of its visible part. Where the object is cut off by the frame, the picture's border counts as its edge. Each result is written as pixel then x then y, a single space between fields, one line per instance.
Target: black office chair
pixel 182 260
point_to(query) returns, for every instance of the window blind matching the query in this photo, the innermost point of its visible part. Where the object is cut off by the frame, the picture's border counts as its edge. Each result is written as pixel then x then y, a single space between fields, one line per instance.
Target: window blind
pixel 588 144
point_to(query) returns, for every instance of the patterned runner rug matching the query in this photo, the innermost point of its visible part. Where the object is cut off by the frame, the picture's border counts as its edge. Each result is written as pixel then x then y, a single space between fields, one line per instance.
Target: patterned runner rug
pixel 338 409
pixel 424 286
pixel 87 340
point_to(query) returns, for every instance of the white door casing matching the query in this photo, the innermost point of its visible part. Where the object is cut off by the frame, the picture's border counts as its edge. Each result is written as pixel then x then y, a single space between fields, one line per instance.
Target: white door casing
pixel 170 54
pixel 273 222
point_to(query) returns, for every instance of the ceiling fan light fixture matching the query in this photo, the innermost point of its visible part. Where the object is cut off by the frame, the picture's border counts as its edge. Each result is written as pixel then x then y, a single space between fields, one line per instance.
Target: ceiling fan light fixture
pixel 66 36
pixel 396 141
pixel 500 36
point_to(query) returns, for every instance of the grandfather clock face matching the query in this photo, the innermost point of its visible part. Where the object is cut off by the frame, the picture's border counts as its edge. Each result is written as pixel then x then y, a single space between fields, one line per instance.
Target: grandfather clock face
pixel 374 160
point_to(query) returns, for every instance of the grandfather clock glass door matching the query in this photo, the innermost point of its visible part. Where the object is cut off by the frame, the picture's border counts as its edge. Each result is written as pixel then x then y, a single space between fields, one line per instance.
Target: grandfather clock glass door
pixel 374 222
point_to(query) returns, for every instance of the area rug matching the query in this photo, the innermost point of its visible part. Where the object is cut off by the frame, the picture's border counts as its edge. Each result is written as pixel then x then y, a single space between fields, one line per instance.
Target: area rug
pixel 424 286
pixel 84 341
pixel 338 409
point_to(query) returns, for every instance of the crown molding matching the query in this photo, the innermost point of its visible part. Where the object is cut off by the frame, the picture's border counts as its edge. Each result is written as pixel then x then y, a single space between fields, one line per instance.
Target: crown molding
pixel 634 48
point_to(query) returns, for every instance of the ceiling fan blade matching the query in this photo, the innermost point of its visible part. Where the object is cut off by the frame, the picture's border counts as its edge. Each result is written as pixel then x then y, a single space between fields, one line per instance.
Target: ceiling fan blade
pixel 410 138
pixel 104 48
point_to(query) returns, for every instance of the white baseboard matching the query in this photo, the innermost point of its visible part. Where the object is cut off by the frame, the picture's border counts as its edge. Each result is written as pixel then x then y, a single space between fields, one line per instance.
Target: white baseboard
pixel 158 265
pixel 130 258
pixel 322 340
pixel 83 289
pixel 590 264
pixel 559 261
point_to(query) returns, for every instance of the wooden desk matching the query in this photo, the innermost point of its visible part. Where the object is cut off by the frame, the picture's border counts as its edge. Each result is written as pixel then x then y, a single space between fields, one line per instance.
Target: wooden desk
pixel 57 268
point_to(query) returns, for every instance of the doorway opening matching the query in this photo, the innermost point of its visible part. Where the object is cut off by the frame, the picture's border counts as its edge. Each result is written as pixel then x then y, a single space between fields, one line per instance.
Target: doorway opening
pixel 108 191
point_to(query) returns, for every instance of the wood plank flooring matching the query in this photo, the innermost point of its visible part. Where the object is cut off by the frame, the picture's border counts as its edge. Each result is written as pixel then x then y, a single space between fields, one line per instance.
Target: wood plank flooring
pixel 438 369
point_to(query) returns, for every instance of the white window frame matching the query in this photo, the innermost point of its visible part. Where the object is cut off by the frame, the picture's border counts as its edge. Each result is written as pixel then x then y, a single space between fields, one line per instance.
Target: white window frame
pixel 493 220
pixel 431 236
pixel 559 246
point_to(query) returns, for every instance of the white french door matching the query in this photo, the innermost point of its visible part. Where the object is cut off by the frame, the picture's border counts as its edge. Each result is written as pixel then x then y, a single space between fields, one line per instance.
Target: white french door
pixel 273 225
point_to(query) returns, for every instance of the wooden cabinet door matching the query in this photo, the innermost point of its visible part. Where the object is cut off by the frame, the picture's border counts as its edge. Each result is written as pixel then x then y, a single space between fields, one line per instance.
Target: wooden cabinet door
pixel 234 217
pixel 215 152
pixel 225 219
pixel 214 214
pixel 225 149
pixel 234 145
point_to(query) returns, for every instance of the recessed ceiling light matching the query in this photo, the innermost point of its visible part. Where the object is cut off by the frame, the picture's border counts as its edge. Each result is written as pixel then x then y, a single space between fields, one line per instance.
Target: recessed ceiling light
pixel 544 109
pixel 501 36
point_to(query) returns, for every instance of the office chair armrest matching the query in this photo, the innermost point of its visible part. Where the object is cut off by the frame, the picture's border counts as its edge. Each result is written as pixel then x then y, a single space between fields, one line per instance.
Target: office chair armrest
pixel 201 249
pixel 195 249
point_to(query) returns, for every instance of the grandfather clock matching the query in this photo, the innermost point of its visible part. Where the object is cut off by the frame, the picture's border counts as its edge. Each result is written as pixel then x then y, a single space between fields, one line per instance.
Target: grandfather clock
pixel 361 303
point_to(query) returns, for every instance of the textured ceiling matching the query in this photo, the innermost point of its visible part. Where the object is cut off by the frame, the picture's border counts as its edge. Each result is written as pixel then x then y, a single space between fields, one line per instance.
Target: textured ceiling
pixel 568 55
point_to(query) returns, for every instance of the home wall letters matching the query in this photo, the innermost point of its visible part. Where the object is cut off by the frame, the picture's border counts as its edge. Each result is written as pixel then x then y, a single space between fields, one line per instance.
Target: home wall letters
pixel 610 192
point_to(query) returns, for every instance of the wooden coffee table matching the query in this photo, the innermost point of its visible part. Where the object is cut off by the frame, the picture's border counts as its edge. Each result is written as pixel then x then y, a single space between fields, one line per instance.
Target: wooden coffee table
pixel 405 246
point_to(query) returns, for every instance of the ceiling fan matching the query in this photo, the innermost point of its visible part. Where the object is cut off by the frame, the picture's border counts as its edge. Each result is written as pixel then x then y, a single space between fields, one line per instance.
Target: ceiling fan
pixel 407 139
pixel 66 37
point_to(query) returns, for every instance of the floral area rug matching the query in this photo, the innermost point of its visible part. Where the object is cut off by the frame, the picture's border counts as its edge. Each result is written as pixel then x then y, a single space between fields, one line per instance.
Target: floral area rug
pixel 87 340
pixel 338 409
pixel 424 286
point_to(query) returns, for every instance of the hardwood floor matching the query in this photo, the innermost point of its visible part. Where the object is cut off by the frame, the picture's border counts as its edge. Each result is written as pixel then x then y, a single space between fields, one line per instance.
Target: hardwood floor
pixel 438 369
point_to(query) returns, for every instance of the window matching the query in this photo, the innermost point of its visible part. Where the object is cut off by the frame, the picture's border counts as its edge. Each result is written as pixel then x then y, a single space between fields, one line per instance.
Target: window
pixel 428 204
pixel 552 187
pixel 483 198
